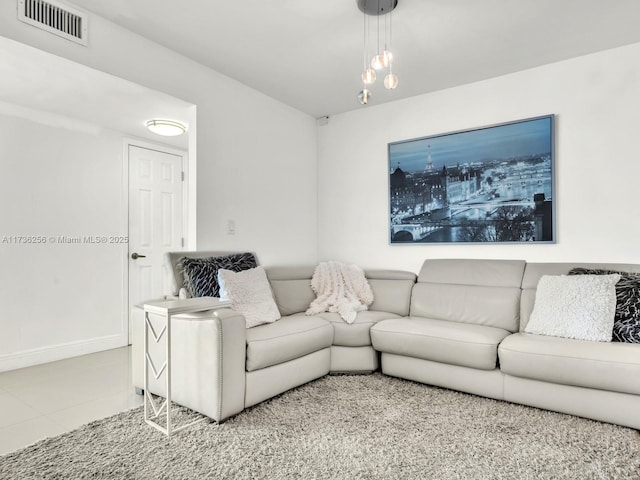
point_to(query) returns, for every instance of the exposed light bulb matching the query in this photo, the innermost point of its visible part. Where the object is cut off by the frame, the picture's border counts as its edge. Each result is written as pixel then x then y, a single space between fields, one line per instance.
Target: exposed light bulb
pixel 364 96
pixel 386 58
pixel 391 81
pixel 368 76
pixel 381 62
pixel 376 62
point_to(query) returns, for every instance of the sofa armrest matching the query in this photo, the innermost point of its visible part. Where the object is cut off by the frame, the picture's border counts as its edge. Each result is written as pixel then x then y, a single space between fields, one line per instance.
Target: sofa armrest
pixel 208 353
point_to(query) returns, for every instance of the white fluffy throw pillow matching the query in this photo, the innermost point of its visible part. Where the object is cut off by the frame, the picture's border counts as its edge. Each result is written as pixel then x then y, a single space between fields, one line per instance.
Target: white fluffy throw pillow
pixel 580 307
pixel 250 294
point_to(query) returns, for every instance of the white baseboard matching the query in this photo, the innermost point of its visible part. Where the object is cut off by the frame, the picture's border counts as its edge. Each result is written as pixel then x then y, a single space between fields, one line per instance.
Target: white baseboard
pixel 51 353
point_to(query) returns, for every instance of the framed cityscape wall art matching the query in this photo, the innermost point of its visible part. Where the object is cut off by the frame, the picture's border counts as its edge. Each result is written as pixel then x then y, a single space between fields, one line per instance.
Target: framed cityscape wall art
pixel 492 184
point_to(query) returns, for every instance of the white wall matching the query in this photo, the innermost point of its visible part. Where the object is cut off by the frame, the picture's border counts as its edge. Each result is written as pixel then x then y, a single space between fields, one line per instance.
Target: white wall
pixel 239 130
pixel 59 299
pixel 256 165
pixel 596 100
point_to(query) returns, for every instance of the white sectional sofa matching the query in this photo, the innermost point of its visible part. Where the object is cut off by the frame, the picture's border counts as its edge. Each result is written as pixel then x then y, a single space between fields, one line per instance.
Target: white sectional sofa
pixel 220 367
pixel 458 324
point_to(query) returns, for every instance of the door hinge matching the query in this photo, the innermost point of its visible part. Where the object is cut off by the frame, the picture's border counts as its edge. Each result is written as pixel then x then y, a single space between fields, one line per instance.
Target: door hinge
pixel 182 176
pixel 182 242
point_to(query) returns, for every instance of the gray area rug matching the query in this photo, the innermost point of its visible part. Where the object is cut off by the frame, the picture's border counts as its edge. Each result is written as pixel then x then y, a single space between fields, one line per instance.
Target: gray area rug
pixel 345 427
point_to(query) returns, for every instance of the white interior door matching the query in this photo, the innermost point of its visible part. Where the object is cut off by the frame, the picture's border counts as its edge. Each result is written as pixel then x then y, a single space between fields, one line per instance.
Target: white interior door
pixel 156 220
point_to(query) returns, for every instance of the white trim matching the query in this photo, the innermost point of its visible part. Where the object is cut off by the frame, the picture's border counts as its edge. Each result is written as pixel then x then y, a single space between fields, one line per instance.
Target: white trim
pixel 51 353
pixel 191 183
pixel 126 327
pixel 188 199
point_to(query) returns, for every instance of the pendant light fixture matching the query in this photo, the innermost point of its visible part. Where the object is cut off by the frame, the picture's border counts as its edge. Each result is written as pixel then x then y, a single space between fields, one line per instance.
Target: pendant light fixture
pixel 382 57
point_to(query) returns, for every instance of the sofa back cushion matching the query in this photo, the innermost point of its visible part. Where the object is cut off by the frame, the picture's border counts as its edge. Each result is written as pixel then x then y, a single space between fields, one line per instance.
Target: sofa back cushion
pixel 292 289
pixel 391 290
pixel 534 271
pixel 483 292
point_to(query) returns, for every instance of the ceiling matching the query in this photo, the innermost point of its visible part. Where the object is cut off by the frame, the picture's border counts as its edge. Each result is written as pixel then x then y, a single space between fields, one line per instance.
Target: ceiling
pixel 41 87
pixel 308 54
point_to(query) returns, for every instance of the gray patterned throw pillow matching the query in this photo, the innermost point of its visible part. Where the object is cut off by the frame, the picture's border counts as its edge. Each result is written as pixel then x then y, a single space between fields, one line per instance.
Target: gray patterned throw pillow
pixel 201 274
pixel 626 327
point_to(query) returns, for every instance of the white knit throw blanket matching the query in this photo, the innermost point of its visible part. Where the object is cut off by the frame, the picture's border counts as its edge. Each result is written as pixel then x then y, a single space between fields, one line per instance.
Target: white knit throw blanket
pixel 340 288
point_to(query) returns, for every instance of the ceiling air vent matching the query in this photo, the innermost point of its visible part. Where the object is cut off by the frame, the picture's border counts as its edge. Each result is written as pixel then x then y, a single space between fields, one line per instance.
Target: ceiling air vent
pixel 55 17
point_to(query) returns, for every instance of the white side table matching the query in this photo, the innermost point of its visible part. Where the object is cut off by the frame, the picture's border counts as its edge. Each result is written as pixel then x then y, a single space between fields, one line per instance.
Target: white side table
pixel 168 308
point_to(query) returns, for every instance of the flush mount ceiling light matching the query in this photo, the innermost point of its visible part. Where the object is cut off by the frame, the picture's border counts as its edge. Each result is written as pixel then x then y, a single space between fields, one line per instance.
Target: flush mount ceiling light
pixel 382 57
pixel 166 128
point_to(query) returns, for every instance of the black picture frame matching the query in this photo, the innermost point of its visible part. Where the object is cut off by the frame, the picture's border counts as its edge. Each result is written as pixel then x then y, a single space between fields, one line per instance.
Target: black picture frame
pixel 493 184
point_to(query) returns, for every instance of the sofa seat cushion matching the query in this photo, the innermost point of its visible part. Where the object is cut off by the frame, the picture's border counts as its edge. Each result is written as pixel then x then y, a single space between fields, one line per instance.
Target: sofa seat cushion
pixel 581 363
pixel 454 343
pixel 357 333
pixel 286 339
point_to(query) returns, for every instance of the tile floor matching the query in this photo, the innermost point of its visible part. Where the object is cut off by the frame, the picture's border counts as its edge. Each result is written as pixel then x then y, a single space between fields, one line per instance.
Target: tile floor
pixel 53 398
